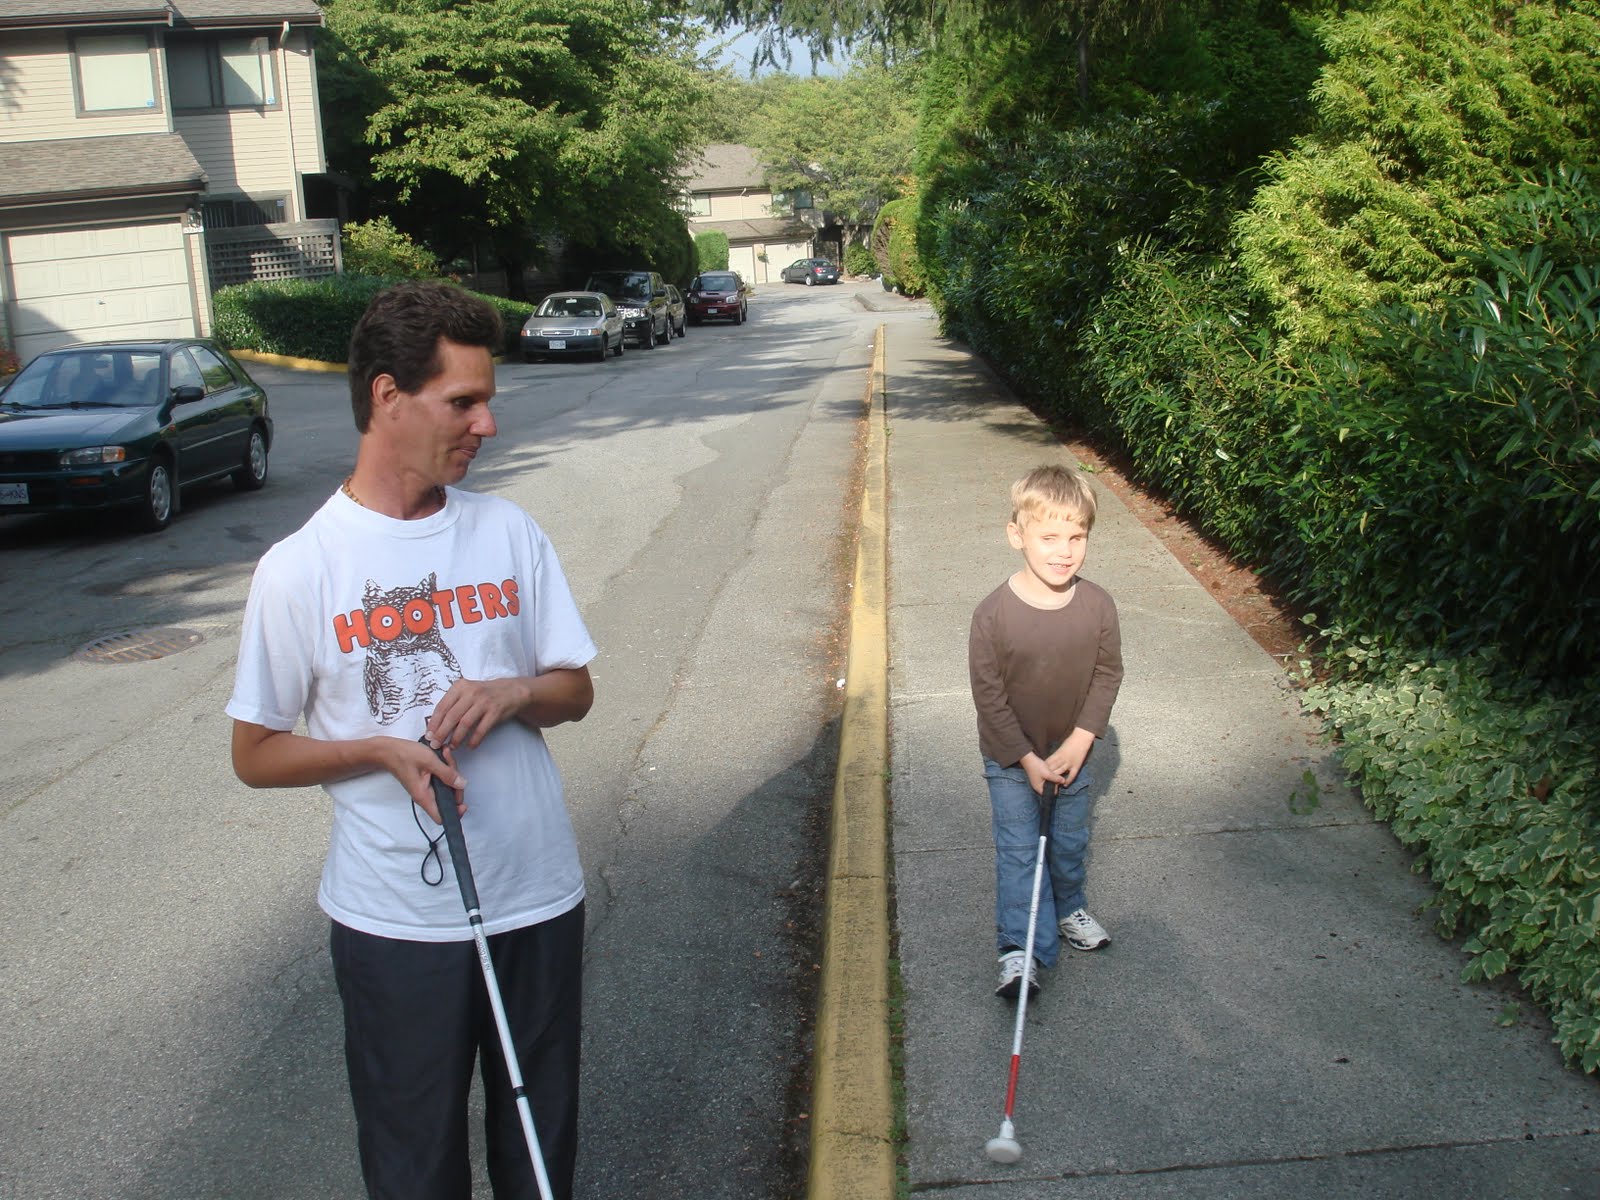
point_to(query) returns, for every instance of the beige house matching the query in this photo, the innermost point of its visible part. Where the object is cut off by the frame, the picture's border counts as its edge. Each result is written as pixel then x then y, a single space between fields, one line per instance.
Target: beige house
pixel 725 191
pixel 149 153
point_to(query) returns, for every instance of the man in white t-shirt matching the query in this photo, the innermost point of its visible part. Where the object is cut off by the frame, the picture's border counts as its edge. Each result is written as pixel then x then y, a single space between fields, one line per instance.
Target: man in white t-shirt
pixel 405 609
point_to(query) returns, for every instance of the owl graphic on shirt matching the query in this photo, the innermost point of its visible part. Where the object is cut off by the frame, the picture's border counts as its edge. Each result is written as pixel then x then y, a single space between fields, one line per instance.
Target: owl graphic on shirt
pixel 414 670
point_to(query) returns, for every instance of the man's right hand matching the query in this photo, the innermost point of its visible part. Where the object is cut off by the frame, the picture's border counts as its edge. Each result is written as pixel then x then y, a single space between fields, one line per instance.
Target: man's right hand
pixel 416 766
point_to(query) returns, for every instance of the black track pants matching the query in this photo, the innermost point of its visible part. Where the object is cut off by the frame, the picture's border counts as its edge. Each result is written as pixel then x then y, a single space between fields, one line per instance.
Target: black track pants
pixel 416 1016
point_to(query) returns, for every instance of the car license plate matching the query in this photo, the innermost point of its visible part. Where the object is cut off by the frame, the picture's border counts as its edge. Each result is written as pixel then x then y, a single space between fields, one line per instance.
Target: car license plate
pixel 558 343
pixel 13 493
pixel 712 311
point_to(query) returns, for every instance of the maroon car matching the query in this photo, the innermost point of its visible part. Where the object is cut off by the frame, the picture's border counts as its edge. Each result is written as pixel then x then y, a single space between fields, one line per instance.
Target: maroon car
pixel 717 296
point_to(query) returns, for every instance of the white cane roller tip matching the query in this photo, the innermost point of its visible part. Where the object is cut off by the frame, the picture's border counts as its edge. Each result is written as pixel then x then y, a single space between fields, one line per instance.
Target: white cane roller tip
pixel 1003 1149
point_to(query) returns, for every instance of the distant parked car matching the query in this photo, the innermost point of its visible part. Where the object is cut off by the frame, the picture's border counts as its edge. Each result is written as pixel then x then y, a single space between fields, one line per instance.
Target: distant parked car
pixel 642 298
pixel 717 296
pixel 580 323
pixel 677 311
pixel 111 424
pixel 810 271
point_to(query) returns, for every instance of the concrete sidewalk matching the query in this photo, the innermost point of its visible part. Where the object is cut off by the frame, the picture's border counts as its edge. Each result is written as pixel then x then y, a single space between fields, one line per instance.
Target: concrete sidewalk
pixel 1274 1018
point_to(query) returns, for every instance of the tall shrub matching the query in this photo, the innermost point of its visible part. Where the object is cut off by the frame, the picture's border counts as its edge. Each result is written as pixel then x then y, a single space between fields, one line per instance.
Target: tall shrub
pixel 1448 479
pixel 376 247
pixel 711 250
pixel 1427 113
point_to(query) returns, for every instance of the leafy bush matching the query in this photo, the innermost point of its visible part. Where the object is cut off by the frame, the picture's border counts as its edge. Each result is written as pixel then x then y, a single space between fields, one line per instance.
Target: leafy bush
pixel 1496 783
pixel 376 247
pixel 10 364
pixel 711 251
pixel 858 260
pixel 1427 113
pixel 895 229
pixel 1445 487
pixel 1440 490
pixel 313 318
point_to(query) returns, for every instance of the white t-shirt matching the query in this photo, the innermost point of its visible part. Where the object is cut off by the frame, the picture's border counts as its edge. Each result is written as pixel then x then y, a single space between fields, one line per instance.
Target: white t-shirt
pixel 362 622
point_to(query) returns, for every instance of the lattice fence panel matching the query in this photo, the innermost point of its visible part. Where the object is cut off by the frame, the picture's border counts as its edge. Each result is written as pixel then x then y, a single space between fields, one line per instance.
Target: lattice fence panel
pixel 294 250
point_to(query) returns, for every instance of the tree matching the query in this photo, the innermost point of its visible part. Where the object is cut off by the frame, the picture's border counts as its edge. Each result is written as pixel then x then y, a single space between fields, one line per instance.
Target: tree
pixel 897 24
pixel 505 121
pixel 847 140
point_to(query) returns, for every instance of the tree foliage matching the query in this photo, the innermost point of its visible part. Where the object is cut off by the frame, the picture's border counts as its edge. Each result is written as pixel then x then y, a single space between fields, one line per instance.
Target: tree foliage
pixel 847 140
pixel 829 25
pixel 508 120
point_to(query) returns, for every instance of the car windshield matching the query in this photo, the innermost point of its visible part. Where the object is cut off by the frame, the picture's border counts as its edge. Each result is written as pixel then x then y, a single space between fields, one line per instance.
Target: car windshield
pixel 569 306
pixel 717 283
pixel 87 379
pixel 629 285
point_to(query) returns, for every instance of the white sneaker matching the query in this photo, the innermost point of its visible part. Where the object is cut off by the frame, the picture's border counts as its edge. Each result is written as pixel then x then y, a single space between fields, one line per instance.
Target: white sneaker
pixel 1082 932
pixel 1011 970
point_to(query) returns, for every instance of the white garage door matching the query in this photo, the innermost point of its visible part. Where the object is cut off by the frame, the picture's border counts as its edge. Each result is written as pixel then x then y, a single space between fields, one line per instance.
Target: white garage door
pixel 97 283
pixel 743 260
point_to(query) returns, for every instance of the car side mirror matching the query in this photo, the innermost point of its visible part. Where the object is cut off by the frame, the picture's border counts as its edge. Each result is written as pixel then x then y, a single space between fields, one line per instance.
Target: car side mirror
pixel 188 394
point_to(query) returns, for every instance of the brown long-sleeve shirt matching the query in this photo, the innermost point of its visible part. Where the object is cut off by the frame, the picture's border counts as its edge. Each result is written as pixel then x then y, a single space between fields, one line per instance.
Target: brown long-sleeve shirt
pixel 1038 674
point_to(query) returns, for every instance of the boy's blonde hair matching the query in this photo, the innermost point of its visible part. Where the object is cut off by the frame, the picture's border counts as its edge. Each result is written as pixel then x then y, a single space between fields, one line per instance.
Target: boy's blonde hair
pixel 1052 489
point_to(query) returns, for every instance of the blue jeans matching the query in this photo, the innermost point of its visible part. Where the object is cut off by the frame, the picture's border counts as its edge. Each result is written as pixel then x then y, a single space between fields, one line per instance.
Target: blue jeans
pixel 1014 811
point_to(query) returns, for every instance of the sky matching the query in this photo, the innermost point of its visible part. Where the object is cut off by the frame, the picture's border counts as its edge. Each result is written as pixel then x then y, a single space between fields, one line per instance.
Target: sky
pixel 736 54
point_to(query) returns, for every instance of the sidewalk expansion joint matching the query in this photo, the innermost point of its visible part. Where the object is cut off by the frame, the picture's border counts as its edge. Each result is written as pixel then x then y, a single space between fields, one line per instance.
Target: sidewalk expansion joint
pixel 1229 1164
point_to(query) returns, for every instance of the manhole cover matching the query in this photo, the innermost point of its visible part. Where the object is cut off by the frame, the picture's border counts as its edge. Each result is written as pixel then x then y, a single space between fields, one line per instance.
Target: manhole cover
pixel 138 645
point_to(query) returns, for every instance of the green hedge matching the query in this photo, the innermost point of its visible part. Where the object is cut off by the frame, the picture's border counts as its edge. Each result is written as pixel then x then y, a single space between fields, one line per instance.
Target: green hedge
pixel 1440 491
pixel 896 230
pixel 711 250
pixel 313 318
pixel 858 260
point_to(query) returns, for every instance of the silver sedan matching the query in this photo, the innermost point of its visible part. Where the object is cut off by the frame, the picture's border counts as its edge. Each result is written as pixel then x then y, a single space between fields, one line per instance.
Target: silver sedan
pixel 586 324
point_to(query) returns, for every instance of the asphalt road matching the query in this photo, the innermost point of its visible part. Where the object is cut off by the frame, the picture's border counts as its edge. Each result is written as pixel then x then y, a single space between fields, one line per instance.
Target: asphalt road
pixel 171 1028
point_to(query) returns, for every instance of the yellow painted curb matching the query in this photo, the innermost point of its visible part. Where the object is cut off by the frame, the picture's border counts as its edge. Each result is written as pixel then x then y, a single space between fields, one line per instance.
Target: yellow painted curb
pixel 852 1105
pixel 285 360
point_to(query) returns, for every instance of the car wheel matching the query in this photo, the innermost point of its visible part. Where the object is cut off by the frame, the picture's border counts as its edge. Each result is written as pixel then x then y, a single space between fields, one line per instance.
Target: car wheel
pixel 811 281
pixel 648 341
pixel 252 473
pixel 155 511
pixel 666 331
pixel 682 328
pixel 622 344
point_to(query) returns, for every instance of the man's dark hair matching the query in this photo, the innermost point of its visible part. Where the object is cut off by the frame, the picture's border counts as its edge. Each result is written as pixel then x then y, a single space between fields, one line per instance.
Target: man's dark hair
pixel 399 335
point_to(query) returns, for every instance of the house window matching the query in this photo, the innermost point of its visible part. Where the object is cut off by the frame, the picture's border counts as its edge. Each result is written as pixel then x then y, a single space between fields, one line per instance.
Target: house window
pixel 221 72
pixel 700 204
pixel 232 212
pixel 114 72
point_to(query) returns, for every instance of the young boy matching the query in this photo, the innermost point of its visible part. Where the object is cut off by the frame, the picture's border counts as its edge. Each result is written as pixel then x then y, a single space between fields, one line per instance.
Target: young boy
pixel 1045 657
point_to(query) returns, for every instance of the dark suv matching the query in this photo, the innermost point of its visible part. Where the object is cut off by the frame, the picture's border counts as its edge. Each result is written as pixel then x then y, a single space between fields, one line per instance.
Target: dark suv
pixel 718 296
pixel 641 298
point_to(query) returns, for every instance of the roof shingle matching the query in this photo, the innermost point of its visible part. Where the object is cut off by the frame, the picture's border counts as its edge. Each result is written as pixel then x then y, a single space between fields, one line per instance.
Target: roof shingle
pixel 725 166
pixel 134 164
pixel 46 13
